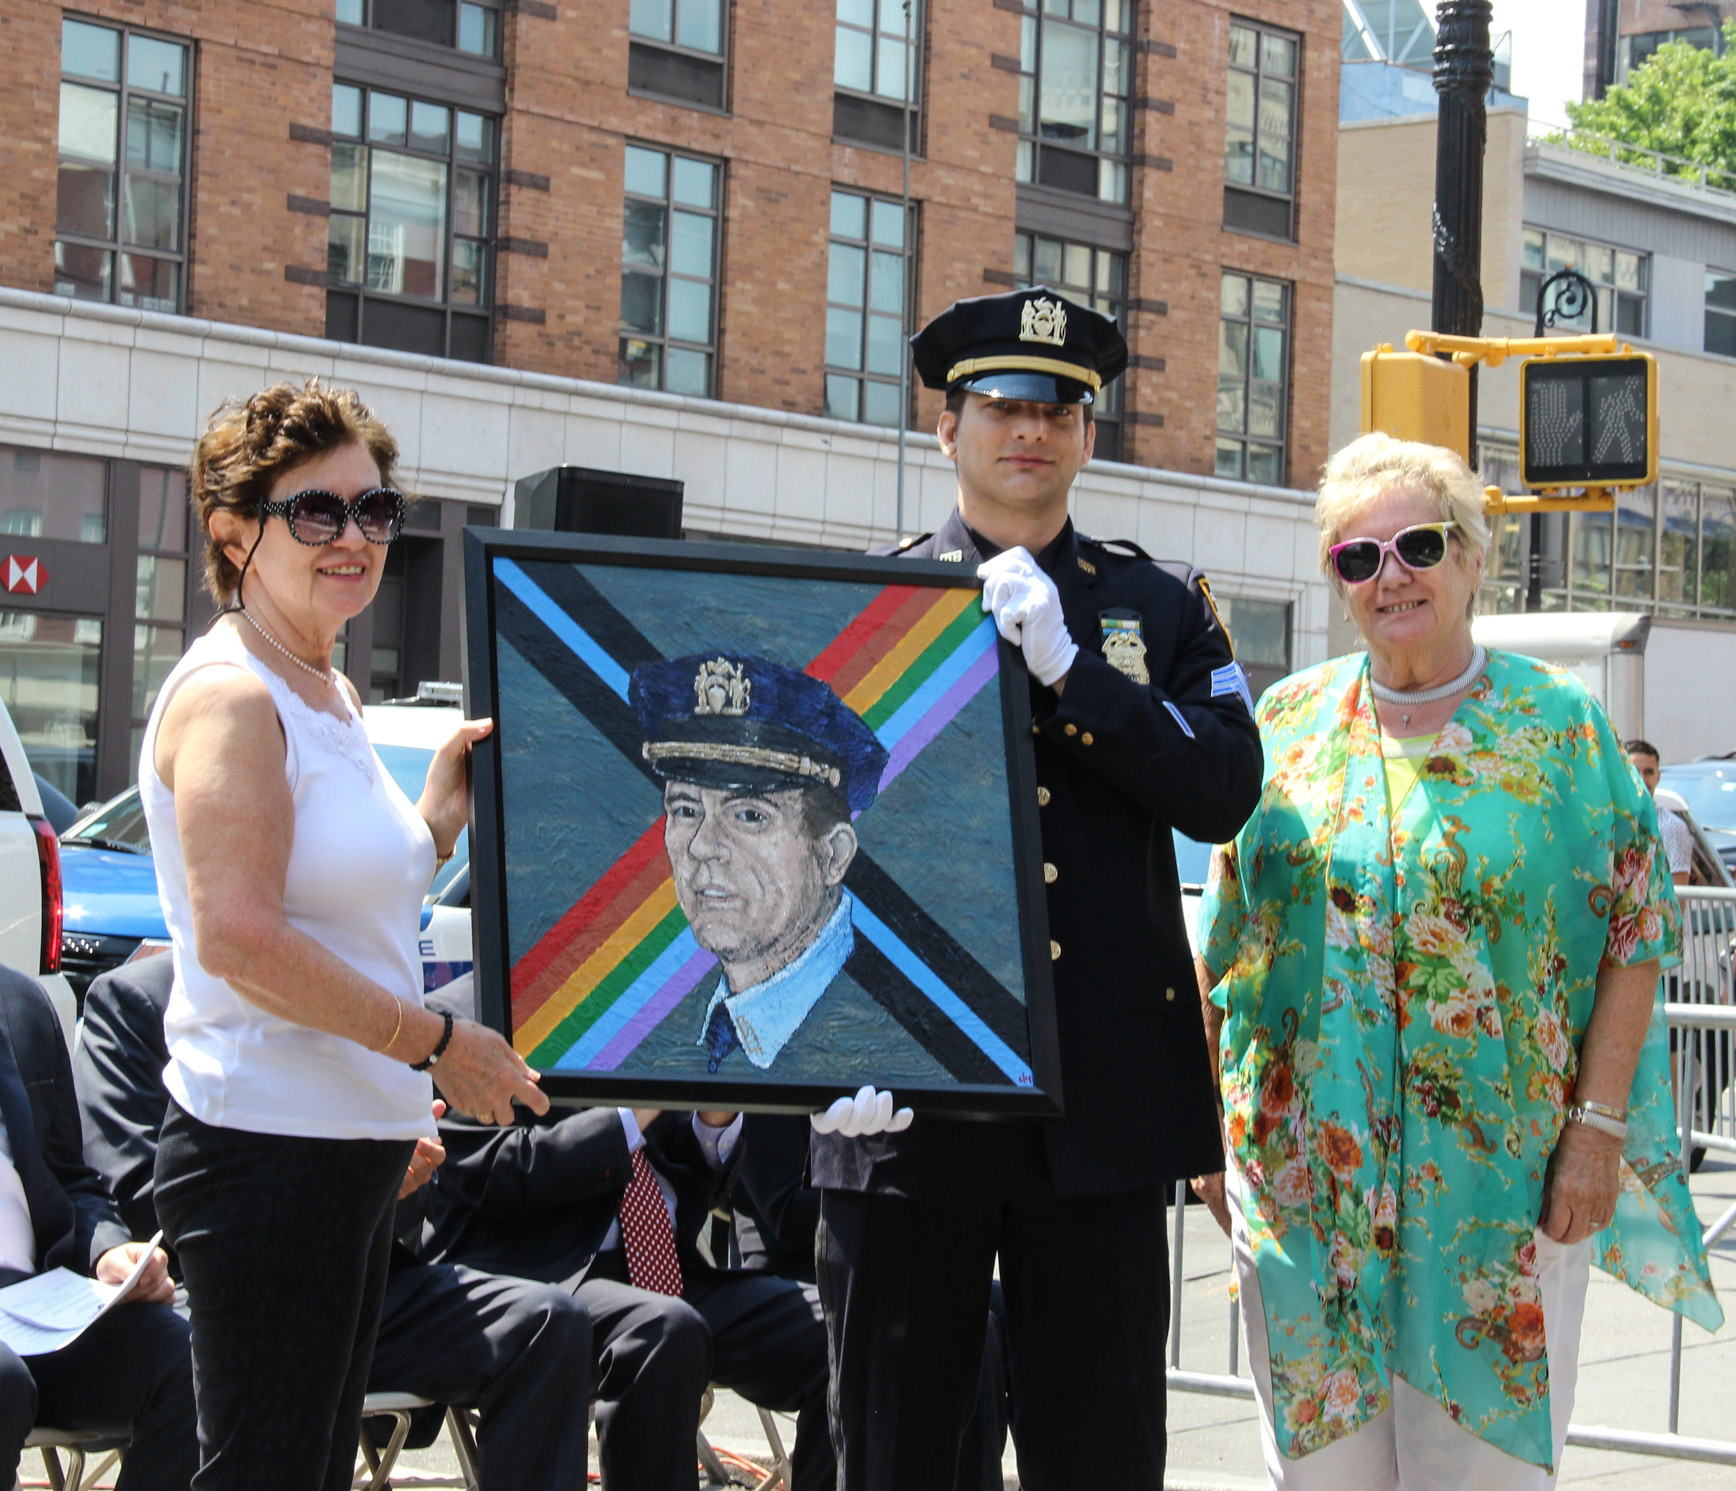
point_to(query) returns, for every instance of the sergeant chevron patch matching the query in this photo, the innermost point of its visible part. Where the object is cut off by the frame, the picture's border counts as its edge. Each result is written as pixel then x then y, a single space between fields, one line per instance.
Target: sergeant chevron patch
pixel 1230 679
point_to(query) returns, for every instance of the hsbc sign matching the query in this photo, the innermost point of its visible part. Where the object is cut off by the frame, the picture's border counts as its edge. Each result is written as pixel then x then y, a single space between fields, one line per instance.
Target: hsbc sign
pixel 24 575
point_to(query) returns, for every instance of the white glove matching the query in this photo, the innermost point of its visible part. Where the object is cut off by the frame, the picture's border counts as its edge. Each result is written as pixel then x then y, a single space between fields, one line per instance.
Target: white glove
pixel 1026 607
pixel 869 1112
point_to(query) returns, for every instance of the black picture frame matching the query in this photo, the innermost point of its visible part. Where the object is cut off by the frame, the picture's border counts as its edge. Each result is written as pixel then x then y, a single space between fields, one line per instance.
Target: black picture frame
pixel 513 890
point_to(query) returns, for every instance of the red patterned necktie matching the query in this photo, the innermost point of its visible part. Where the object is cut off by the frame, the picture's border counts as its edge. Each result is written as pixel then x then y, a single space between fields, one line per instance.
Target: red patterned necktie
pixel 646 1233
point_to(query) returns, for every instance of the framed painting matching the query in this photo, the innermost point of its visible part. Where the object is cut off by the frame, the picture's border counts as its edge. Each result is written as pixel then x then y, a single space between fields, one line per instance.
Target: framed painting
pixel 755 827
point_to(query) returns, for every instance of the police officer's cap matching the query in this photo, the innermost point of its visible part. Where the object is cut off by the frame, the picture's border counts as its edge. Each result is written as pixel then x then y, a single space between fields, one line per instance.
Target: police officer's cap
pixel 1027 344
pixel 744 724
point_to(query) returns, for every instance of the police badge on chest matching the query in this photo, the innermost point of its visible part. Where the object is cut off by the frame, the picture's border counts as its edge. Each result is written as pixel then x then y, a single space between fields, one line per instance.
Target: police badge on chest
pixel 1124 644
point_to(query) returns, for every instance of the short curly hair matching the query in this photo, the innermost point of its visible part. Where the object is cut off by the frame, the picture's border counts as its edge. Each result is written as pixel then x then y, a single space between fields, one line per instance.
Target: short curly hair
pixel 1375 463
pixel 249 443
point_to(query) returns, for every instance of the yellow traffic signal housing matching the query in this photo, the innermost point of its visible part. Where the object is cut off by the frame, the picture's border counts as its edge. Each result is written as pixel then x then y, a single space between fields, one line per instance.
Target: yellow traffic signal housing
pixel 1417 396
pixel 1587 421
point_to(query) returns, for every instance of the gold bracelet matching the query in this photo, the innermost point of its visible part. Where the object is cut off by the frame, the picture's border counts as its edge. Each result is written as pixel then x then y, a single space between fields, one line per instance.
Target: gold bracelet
pixel 382 1050
pixel 440 860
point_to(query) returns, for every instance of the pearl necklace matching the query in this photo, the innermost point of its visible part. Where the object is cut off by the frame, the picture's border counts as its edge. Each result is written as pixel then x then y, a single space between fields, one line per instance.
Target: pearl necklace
pixel 324 675
pixel 1414 697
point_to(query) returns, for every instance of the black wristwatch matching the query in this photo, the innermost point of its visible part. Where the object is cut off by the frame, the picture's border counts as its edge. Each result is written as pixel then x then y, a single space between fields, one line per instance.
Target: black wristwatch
pixel 440 1050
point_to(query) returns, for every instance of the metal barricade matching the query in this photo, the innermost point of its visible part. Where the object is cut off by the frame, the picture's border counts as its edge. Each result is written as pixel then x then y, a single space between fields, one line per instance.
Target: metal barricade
pixel 1701 1014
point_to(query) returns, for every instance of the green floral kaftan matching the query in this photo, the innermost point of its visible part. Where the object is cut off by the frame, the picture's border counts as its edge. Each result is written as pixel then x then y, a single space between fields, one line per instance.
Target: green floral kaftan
pixel 1404 1003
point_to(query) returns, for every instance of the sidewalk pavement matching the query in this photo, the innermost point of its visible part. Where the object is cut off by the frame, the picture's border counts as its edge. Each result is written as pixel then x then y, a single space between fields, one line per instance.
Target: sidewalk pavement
pixel 1214 1443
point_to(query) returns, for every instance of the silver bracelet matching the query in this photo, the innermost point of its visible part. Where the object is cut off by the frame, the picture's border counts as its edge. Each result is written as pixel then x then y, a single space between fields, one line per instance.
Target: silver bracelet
pixel 1588 1114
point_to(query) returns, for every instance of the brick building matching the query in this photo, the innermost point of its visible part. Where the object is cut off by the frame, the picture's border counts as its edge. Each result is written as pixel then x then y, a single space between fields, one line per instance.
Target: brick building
pixel 673 206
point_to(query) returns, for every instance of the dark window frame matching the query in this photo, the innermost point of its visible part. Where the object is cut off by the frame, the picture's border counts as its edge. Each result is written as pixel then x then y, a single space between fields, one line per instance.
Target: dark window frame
pixel 348 300
pixel 861 375
pixel 1611 298
pixel 116 246
pixel 662 338
pixel 1043 162
pixel 488 14
pixel 1109 412
pixel 866 116
pixel 1250 207
pixel 650 56
pixel 1243 437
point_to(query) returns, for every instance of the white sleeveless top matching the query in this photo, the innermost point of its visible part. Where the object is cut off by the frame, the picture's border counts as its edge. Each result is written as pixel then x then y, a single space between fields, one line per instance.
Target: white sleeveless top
pixel 360 860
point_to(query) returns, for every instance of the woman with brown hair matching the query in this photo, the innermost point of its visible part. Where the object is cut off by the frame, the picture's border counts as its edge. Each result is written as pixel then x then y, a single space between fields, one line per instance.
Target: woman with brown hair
pixel 291 870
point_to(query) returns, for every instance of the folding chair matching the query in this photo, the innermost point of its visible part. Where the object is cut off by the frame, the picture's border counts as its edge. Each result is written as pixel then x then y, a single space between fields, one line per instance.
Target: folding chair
pixel 780 1473
pixel 402 1408
pixel 77 1445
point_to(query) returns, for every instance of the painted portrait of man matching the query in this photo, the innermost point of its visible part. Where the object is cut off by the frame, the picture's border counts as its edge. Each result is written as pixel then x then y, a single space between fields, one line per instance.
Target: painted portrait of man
pixel 763 769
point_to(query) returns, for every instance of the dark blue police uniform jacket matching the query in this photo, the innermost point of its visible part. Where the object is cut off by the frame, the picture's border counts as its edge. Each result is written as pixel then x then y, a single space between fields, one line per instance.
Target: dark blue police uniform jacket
pixel 1117 770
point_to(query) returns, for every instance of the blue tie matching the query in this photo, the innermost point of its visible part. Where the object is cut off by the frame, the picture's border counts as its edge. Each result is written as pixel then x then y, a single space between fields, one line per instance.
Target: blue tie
pixel 720 1037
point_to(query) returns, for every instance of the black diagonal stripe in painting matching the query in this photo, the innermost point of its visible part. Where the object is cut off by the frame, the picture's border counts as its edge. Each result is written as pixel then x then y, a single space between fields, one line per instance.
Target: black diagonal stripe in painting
pixel 567 587
pixel 936 947
pixel 917 1013
pixel 567 673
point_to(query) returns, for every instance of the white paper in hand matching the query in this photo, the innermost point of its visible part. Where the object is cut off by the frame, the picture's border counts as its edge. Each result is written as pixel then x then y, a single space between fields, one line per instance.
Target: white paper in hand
pixel 43 1313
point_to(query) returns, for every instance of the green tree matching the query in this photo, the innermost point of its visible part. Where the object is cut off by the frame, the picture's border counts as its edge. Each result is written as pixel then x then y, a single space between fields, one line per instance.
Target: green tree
pixel 1681 102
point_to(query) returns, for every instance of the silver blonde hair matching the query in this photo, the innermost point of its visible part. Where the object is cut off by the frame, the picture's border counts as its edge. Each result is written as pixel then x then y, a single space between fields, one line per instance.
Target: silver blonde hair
pixel 1377 463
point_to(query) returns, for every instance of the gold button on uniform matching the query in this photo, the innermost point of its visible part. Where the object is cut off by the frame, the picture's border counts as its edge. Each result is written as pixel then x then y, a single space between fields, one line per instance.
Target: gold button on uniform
pixel 1085 739
pixel 1054 950
pixel 1169 994
pixel 1049 873
pixel 1072 729
pixel 1042 797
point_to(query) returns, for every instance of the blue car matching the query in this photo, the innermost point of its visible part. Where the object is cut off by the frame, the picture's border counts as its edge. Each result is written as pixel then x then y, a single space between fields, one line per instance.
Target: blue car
pixel 113 914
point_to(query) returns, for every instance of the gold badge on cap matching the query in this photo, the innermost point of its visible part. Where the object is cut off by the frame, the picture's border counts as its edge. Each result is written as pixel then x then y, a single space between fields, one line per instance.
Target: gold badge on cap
pixel 1043 320
pixel 1124 644
pixel 720 687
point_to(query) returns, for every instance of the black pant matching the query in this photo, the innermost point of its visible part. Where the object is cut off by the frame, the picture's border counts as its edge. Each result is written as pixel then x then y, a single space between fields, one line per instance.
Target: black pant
pixel 519 1352
pixel 755 1334
pixel 283 1244
pixel 906 1290
pixel 130 1374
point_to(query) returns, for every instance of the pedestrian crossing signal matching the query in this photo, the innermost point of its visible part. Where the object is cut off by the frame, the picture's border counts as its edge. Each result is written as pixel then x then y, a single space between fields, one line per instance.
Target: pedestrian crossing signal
pixel 1589 420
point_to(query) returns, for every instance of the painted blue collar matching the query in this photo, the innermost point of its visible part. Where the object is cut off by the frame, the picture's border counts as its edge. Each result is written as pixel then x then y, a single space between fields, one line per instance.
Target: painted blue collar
pixel 768 1013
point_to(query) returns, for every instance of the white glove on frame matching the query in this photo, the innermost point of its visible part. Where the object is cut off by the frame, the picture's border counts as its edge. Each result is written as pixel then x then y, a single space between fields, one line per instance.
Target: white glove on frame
pixel 1026 607
pixel 869 1112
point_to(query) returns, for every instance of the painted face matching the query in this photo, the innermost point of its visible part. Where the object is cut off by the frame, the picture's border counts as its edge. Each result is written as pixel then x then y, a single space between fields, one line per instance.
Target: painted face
pixel 315 588
pixel 1646 765
pixel 1017 454
pixel 1406 610
pixel 754 884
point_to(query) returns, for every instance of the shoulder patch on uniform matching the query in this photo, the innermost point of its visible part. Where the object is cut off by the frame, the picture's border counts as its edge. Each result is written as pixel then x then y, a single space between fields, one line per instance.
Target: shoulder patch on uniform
pixel 1217 616
pixel 1230 679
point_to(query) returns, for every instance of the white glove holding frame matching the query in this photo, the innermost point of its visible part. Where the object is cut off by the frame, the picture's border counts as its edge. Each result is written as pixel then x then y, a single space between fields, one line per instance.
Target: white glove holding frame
pixel 1026 607
pixel 869 1112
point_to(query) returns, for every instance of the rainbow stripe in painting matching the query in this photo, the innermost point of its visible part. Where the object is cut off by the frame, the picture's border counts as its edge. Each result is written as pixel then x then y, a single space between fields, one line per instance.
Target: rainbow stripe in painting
pixel 599 981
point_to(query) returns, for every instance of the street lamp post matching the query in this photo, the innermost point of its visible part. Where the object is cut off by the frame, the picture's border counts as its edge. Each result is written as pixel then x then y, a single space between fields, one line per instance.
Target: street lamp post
pixel 1464 69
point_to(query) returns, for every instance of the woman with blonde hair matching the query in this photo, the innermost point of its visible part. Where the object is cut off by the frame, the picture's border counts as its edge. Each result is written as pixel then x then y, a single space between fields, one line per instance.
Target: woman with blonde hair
pixel 1431 963
pixel 292 870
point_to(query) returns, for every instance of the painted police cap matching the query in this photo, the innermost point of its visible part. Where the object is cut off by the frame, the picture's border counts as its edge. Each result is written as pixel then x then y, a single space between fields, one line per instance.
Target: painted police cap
pixel 1028 344
pixel 743 724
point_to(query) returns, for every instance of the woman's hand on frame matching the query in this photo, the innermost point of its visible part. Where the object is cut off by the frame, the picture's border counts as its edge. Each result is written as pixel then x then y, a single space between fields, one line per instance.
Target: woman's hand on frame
pixel 445 802
pixel 1581 1184
pixel 480 1074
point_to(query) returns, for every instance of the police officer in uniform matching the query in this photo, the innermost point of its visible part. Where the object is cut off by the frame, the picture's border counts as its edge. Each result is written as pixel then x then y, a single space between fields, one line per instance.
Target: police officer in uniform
pixel 1143 723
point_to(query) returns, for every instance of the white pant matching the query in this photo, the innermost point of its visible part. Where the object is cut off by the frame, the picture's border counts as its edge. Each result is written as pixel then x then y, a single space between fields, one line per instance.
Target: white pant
pixel 1415 1445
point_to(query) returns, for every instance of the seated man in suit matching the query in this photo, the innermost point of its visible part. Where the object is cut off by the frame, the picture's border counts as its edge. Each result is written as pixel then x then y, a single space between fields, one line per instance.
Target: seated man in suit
pixel 610 1203
pixel 130 1373
pixel 519 1352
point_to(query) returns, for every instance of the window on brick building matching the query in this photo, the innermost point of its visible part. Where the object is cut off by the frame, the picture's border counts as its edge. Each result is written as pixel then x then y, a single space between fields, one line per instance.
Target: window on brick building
pixel 412 208
pixel 1260 130
pixel 1253 378
pixel 121 214
pixel 1090 276
pixel 876 64
pixel 471 26
pixel 676 49
pixel 1076 75
pixel 868 292
pixel 669 253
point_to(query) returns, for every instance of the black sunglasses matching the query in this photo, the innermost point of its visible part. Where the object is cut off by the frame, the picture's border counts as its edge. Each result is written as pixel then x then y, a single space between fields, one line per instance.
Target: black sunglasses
pixel 317 518
pixel 1421 546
